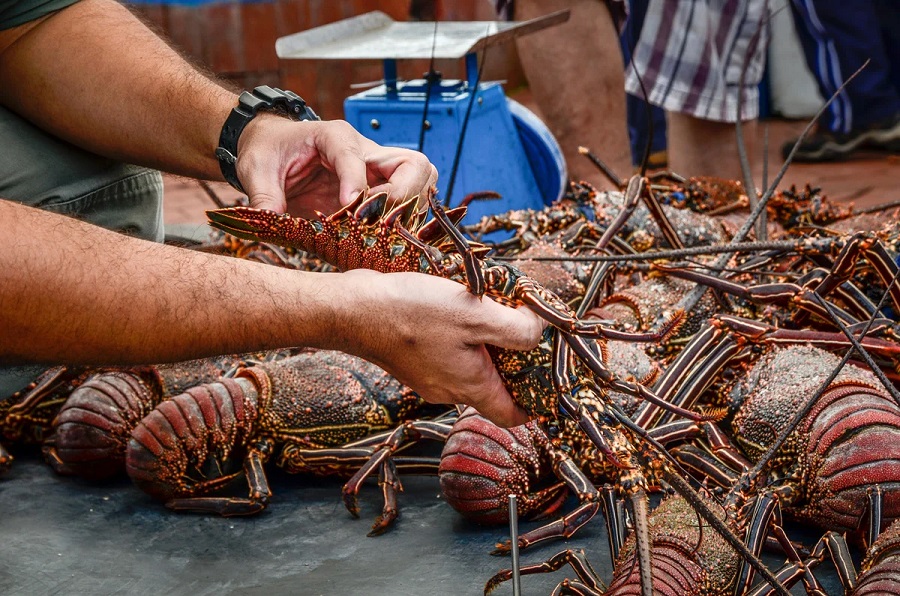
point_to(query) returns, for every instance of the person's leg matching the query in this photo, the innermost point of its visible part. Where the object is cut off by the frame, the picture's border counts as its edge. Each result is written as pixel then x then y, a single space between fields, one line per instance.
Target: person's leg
pixel 706 147
pixel 42 171
pixel 45 172
pixel 836 43
pixel 646 123
pixel 702 62
pixel 575 72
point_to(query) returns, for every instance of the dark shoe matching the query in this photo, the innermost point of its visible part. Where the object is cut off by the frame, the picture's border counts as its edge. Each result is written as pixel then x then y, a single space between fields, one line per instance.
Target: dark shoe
pixel 830 146
pixel 658 160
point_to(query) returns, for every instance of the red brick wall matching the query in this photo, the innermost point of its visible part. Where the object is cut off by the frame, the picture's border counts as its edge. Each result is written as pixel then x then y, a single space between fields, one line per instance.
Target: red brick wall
pixel 237 42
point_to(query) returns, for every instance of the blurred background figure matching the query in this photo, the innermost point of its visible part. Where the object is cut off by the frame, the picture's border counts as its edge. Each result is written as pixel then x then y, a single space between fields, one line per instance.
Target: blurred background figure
pixel 702 62
pixel 837 39
pixel 575 73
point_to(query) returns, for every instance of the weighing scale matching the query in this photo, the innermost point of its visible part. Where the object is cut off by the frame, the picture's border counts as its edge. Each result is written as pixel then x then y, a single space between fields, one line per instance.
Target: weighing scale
pixel 481 141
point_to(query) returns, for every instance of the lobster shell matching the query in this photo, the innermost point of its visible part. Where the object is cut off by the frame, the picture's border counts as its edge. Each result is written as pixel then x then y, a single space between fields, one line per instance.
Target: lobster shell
pixel 881 567
pixel 171 448
pixel 92 430
pixel 482 464
pixel 847 442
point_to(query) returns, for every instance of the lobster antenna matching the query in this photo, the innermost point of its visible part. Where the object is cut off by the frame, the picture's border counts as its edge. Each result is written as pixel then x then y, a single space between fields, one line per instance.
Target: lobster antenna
pixel 465 125
pixel 746 172
pixel 742 233
pixel 429 81
pixel 602 166
pixel 691 300
pixel 214 197
pixel 857 346
pixel 765 164
pixel 772 245
pixel 748 478
pixel 881 207
pixel 683 488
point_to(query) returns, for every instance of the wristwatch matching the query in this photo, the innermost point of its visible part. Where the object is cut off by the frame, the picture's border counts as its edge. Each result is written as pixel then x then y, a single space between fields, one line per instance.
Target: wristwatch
pixel 263 97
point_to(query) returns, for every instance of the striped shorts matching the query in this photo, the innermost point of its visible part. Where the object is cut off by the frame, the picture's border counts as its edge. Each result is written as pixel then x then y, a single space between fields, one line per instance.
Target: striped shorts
pixel 703 58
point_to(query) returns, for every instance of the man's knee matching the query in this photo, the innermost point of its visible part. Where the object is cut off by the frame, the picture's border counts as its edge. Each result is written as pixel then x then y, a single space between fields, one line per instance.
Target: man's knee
pixel 43 171
pixel 130 201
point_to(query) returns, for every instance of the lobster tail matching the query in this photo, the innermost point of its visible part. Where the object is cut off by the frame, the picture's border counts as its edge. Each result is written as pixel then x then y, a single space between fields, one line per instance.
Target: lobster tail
pixel 482 464
pixel 262 225
pixel 192 438
pixel 881 567
pixel 847 439
pixel 92 429
pixel 842 444
pixel 687 555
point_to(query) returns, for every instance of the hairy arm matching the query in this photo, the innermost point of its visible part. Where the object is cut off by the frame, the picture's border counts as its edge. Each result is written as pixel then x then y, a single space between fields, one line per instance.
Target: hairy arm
pixel 94 75
pixel 77 294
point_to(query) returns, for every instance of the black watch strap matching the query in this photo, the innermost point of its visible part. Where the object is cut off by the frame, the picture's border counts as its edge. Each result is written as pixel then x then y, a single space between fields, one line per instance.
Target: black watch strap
pixel 264 97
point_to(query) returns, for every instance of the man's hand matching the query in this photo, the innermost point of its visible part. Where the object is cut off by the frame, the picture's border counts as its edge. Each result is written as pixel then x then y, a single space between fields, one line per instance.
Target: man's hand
pixel 300 167
pixel 431 333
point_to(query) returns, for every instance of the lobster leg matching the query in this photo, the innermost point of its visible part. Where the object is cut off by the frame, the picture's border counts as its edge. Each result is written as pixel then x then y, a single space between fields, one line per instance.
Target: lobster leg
pixel 257 500
pixel 585 406
pixel 474 273
pixel 875 496
pixel 839 553
pixel 862 244
pixel 576 559
pixel 402 436
pixel 765 516
pixel 548 306
pixel 565 527
pixel 390 487
pixel 659 216
pixel 590 499
pixel 590 358
pixel 785 294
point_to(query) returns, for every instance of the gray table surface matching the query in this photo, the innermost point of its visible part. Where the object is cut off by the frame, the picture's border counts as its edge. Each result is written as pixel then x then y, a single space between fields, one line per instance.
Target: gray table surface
pixel 66 536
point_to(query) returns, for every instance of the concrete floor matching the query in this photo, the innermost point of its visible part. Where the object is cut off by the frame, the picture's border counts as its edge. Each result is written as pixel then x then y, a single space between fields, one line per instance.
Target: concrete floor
pixel 63 536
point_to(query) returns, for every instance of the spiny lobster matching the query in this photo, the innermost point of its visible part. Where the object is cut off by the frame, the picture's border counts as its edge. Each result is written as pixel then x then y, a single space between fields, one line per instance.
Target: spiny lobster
pixel 366 234
pixel 27 415
pixel 836 449
pixel 319 408
pixel 841 448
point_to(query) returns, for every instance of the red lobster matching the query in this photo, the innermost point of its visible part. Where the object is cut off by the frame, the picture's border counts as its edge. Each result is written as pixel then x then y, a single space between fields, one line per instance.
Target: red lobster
pixel 688 558
pixel 27 415
pixel 823 468
pixel 91 431
pixel 195 443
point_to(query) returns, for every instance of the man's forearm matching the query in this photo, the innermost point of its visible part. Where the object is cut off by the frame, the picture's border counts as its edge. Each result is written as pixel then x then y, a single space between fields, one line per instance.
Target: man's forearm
pixel 76 293
pixel 94 75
